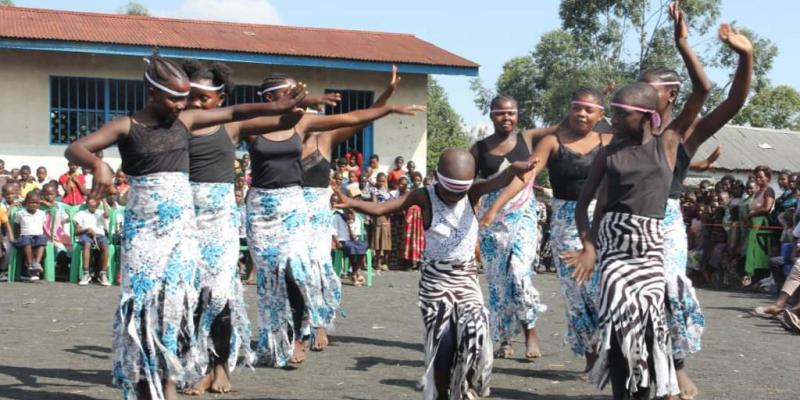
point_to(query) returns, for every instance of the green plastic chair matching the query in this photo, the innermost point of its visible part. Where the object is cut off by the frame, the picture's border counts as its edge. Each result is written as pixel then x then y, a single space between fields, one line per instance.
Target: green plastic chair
pixel 341 263
pixel 76 263
pixel 16 258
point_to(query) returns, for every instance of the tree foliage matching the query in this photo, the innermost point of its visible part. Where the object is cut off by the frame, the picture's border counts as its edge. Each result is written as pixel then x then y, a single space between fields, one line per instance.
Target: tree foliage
pixel 606 44
pixel 444 125
pixel 134 8
pixel 772 107
pixel 8 3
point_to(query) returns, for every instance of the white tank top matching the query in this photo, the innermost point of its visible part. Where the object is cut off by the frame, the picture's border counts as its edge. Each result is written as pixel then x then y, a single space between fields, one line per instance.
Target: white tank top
pixel 453 233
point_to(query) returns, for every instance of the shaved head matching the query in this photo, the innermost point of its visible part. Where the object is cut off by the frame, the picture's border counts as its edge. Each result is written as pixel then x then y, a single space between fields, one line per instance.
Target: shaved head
pixel 457 164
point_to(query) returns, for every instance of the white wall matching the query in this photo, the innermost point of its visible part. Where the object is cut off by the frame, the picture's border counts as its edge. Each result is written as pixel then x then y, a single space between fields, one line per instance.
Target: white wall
pixel 25 102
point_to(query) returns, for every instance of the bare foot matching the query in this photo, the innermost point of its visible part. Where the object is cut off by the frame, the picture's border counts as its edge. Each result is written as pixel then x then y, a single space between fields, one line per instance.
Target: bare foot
pixel 688 389
pixel 200 387
pixel 505 351
pixel 590 360
pixel 320 340
pixel 299 353
pixel 532 343
pixel 221 383
pixel 170 390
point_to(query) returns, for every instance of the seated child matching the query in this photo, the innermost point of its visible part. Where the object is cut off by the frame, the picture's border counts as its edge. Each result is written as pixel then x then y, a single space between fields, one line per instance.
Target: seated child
pixel 90 227
pixel 347 231
pixel 55 230
pixel 31 239
pixel 112 204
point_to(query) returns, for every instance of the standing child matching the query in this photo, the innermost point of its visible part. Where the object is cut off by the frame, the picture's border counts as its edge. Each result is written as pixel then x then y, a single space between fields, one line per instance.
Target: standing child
pixel 347 231
pixel 458 349
pixel 31 239
pixel 380 240
pixel 26 181
pixel 90 226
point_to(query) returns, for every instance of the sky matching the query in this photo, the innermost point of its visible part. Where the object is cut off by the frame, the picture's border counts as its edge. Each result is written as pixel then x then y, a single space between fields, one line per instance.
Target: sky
pixel 485 32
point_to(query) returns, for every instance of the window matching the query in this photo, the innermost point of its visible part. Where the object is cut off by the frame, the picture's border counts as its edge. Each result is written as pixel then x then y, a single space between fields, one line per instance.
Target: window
pixel 79 106
pixel 353 100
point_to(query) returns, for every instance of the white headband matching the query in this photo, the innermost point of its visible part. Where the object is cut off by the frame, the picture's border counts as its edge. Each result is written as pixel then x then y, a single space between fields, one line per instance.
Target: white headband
pixel 272 89
pixel 665 83
pixel 206 87
pixel 164 88
pixel 453 185
pixel 503 111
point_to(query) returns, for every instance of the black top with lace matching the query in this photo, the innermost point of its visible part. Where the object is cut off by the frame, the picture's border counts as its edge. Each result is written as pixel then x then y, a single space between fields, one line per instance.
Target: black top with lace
pixel 161 148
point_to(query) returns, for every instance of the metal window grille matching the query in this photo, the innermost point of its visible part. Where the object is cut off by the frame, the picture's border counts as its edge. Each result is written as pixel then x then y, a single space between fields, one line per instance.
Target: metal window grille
pixel 243 94
pixel 353 100
pixel 79 106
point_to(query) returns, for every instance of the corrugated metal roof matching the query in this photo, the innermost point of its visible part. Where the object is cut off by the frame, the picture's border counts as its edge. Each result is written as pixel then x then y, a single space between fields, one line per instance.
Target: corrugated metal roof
pixel 744 148
pixel 43 24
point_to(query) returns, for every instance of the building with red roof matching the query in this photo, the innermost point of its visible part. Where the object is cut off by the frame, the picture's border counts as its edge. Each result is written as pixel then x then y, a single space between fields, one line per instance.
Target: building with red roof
pixel 66 73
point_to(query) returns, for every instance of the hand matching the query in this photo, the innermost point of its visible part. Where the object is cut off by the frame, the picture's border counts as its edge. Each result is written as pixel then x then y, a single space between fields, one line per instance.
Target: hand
pixel 681 28
pixel 488 218
pixel 295 95
pixel 395 81
pixel 737 42
pixel 583 261
pixel 319 102
pixel 714 156
pixel 408 110
pixel 523 167
pixel 103 179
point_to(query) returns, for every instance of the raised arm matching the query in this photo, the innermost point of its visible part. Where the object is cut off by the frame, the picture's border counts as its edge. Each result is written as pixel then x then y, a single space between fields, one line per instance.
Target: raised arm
pixel 340 135
pixel 414 198
pixel 198 119
pixel 317 123
pixel 82 151
pixel 584 260
pixel 541 155
pixel 716 119
pixel 707 163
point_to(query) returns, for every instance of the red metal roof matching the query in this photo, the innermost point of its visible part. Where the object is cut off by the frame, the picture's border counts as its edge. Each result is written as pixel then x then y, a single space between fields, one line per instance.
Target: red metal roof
pixel 44 24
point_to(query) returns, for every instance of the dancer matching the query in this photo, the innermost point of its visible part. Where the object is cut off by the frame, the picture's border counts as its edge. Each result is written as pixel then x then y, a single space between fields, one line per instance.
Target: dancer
pixel 154 333
pixel 567 154
pixel 685 317
pixel 458 350
pixel 223 327
pixel 289 286
pixel 634 347
pixel 317 150
pixel 507 251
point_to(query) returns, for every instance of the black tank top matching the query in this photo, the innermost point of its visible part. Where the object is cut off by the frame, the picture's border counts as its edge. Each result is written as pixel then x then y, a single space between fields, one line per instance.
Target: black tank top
pixel 316 170
pixel 569 170
pixel 639 178
pixel 681 169
pixel 276 164
pixel 211 157
pixel 489 164
pixel 148 150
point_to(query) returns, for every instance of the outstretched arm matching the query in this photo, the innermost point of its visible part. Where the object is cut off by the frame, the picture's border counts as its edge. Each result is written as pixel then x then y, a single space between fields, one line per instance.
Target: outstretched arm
pixel 541 155
pixel 82 152
pixel 198 119
pixel 317 123
pixel 340 135
pixel 414 198
pixel 515 172
pixel 706 164
pixel 584 260
pixel 714 121
pixel 262 125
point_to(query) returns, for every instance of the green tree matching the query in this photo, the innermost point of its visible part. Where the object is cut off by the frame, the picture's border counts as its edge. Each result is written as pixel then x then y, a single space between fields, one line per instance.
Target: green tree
pixel 444 125
pixel 134 8
pixel 772 107
pixel 8 3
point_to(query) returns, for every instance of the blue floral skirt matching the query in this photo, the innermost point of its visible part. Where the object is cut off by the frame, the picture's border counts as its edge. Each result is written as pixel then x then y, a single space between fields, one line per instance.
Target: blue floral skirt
pixel 277 235
pixel 580 300
pixel 154 336
pixel 686 320
pixel 218 222
pixel 508 251
pixel 319 210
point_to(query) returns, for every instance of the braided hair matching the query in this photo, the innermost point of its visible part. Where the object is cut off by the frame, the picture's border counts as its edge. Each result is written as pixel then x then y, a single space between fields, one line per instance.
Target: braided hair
pixel 162 70
pixel 273 81
pixel 218 73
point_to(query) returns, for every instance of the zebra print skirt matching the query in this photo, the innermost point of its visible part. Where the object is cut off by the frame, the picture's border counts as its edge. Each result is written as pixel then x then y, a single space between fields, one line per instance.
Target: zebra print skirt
pixel 451 302
pixel 632 301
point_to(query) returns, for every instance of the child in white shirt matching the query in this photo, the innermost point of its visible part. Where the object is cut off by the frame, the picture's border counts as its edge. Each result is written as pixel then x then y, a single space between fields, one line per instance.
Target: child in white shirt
pixel 31 239
pixel 90 225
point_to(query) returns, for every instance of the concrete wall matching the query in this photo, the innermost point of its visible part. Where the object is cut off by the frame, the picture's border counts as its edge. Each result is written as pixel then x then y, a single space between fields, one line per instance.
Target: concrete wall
pixel 25 102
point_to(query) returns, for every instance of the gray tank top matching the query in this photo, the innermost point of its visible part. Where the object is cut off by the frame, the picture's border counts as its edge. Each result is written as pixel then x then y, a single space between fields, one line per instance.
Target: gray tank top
pixel 639 178
pixel 453 232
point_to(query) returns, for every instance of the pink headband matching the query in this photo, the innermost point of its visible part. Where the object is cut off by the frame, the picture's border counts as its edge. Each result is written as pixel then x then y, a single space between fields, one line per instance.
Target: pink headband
pixel 453 185
pixel 654 115
pixel 587 104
